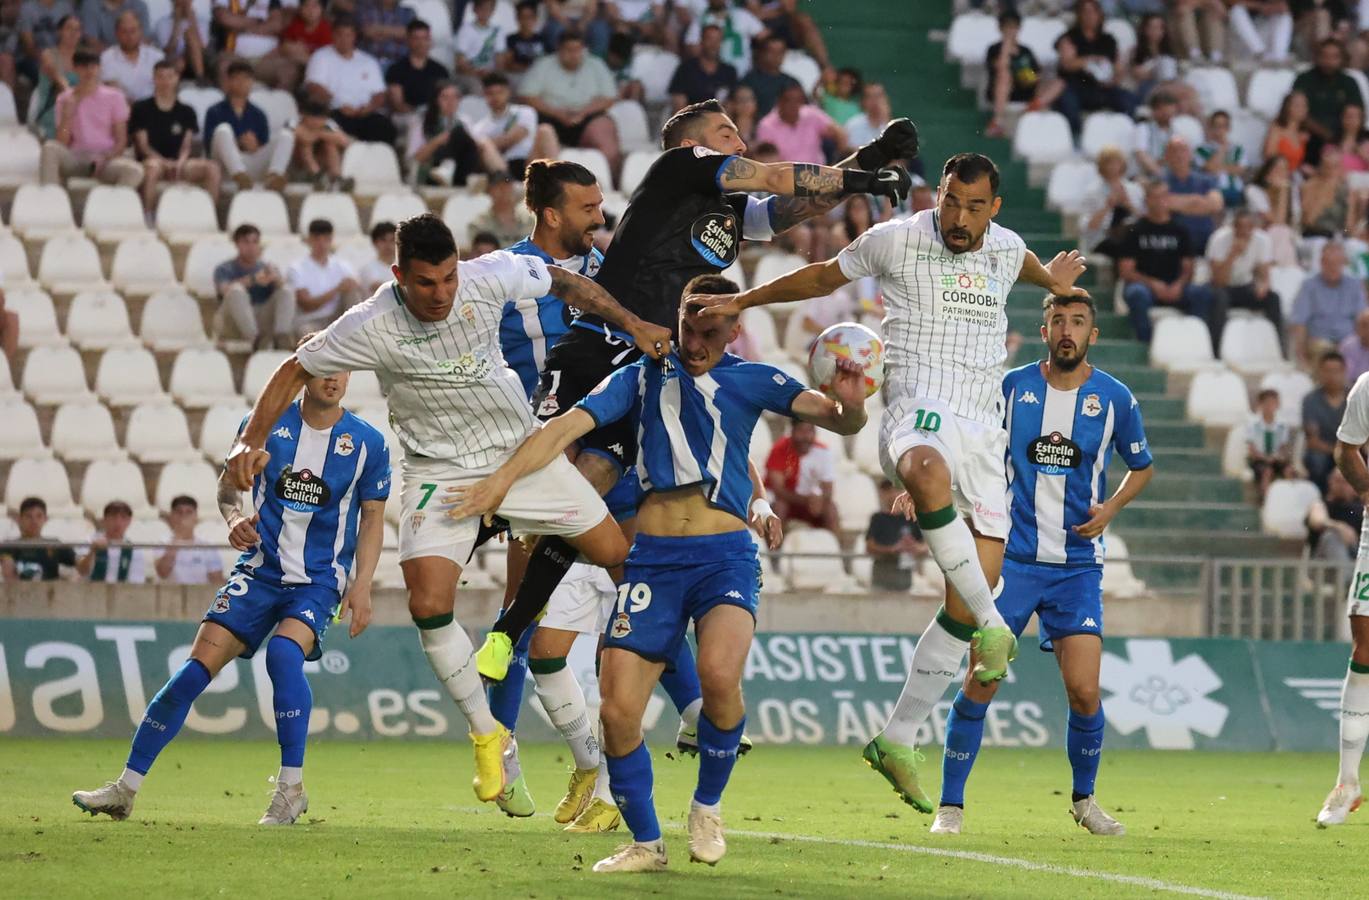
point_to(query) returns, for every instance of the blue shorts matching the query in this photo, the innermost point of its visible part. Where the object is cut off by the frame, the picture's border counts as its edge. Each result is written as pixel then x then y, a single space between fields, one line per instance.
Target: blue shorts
pixel 1066 599
pixel 625 496
pixel 251 609
pixel 669 580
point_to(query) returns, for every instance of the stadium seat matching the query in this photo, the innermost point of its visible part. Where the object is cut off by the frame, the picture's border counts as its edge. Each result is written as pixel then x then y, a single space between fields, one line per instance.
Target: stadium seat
pixel 1248 131
pixel 1285 508
pixel 856 499
pixel 142 265
pixel 21 435
pixel 40 211
pixel 591 159
pixel 7 388
pixel 19 158
pixel 865 447
pixel 206 254
pixel 633 131
pixel 1216 88
pixel 158 432
pixel 357 251
pixel 54 374
pixel 171 321
pixel 260 365
pixel 45 478
pixel 1250 345
pixel 1286 281
pixel 1218 397
pixel 148 529
pixel 461 209
pixel 1119 579
pixel 1039 34
pixel 1233 455
pixel 363 390
pixel 97 320
pixel 762 440
pixel 1292 386
pixel 396 206
pixel 9 113
pixel 284 252
pixel 14 262
pixel 185 214
pixel 1188 128
pixel 280 106
pixel 264 209
pixel 69 264
pixel 340 209
pixel 374 166
pixel 812 573
pixel 202 377
pixel 209 531
pixel 84 430
pixel 1107 129
pixel 970 37
pixel 1266 90
pixel 37 317
pixel 1123 33
pixel 773 265
pixel 653 67
pixel 199 99
pixel 195 478
pixel 112 213
pixel 802 68
pixel 219 429
pixel 1043 138
pixel 798 340
pixel 737 273
pixel 128 376
pixel 72 527
pixel 472 108
pixel 759 324
pixel 1181 344
pixel 635 166
pixel 1070 184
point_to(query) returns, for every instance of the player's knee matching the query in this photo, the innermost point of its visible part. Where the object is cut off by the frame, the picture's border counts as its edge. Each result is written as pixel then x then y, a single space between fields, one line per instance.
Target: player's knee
pixel 1083 699
pixel 424 604
pixel 926 477
pixel 719 688
pixel 622 727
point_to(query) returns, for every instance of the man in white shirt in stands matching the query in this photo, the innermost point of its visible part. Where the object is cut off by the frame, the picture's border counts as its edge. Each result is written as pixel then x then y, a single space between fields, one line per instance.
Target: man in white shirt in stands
pixel 128 63
pixel 108 558
pixel 324 283
pixel 350 83
pixel 875 111
pixel 183 564
pixel 252 32
pixel 1240 255
pixel 478 42
pixel 512 127
pixel 572 91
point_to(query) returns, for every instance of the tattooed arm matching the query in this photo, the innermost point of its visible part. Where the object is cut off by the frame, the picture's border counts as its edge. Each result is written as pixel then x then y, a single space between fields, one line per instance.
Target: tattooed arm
pixel 587 296
pixel 803 190
pixel 242 533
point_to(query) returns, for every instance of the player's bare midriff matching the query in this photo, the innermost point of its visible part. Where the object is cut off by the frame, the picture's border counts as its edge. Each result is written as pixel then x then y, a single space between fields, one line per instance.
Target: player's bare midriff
pixel 683 512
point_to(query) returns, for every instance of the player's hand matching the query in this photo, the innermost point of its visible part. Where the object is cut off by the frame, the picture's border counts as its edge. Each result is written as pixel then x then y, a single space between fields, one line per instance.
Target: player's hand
pixel 716 304
pixel 358 602
pixel 767 526
pixel 893 183
pixel 651 339
pixel 483 498
pixel 898 140
pixel 903 506
pixel 242 534
pixel 1065 269
pixel 848 383
pixel 1100 514
pixel 244 463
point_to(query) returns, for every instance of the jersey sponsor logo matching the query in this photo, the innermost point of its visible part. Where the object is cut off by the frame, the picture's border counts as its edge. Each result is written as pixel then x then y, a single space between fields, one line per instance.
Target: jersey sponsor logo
pixel 416 339
pixel 970 297
pixel 467 367
pixel 1054 453
pixel 283 432
pixel 1092 405
pixel 302 491
pixel 1028 397
pixel 715 238
pixel 344 446
pixel 1137 446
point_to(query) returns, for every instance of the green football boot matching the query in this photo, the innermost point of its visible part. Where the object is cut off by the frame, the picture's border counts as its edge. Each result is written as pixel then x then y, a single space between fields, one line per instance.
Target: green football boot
pixel 994 648
pixel 898 764
pixel 494 656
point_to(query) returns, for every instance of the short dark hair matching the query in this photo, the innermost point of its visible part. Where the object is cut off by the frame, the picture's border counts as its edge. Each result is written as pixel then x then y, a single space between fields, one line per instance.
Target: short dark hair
pixel 114 507
pixel 29 503
pixel 417 25
pixel 1219 114
pixel 681 125
pixel 1163 97
pixel 245 231
pixel 1331 356
pixel 184 500
pixel 494 78
pixel 570 34
pixel 308 107
pixel 545 180
pixel 709 283
pixel 1052 301
pixel 239 67
pixel 1265 394
pixel 425 238
pixel 84 58
pixel 485 237
pixel 970 167
pixel 320 226
pixel 343 20
pixel 1009 15
pixel 164 64
pixel 525 4
pixel 382 230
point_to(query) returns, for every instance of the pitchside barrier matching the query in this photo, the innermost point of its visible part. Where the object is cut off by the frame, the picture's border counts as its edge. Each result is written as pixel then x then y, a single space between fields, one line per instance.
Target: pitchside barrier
pixel 90 678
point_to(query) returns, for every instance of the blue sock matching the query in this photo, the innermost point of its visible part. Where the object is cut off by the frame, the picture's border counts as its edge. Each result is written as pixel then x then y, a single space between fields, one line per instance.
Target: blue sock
pixel 717 756
pixel 630 780
pixel 1084 744
pixel 506 697
pixel 683 684
pixel 964 734
pixel 166 714
pixel 292 698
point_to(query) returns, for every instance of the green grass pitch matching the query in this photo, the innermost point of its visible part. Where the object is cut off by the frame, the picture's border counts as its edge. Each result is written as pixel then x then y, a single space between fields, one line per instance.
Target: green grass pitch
pixel 400 820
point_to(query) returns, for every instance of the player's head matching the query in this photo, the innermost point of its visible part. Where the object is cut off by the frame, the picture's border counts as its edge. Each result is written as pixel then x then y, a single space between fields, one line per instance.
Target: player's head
pixel 1069 330
pixel 704 339
pixel 967 200
pixel 323 391
pixel 704 124
pixel 33 516
pixel 185 512
pixel 425 266
pixel 566 199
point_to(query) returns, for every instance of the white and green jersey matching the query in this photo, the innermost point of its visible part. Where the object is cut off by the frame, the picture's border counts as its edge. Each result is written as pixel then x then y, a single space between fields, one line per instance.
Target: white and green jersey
pixel 945 314
pixel 450 394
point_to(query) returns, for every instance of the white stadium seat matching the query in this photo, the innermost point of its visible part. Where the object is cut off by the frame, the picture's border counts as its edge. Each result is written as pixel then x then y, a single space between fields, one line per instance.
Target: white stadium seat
pixel 201 377
pixel 1070 184
pixel 802 68
pixel 37 317
pixel 1266 90
pixel 206 254
pixel 472 108
pixel 72 527
pixel 195 478
pixel 773 265
pixel 461 209
pixel 128 376
pixel 1247 132
pixel 591 159
pixel 171 321
pixel 112 213
pixel 40 211
pixel 260 365
pixel 69 264
pixel 1292 386
pixel 7 388
pixel 970 37
pixel 219 429
pixel 363 389
pixel 1233 455
pixel 1119 579
pixel 146 529
pixel 142 265
pixel 284 252
pixel 9 113
pixel 45 478
pixel 356 252
pixel 737 273
pixel 97 320
pixel 373 166
pixel 84 430
pixel 14 261
pixel 856 499
pixel 1188 128
pixel 280 106
pixel 635 166
pixel 396 206
pixel 759 323
pixel 813 572
pixel 1284 513
pixel 21 435
pixel 1123 33
pixel 20 153
pixel 1286 281
pixel 1250 345
pixel 1216 88
pixel 199 99
pixel 653 67
pixel 865 449
pixel 1043 138
pixel 1039 34
pixel 762 441
pixel 185 214
pixel 340 209
pixel 633 131
pixel 1218 398
pixel 1104 129
pixel 264 209
pixel 158 432
pixel 54 375
pixel 108 480
pixel 1181 344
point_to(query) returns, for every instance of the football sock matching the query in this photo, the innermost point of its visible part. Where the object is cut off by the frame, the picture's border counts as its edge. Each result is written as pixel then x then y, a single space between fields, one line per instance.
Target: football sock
pixel 682 684
pixel 564 702
pixel 131 779
pixel 452 658
pixel 936 659
pixel 1084 745
pixel 291 697
pixel 166 714
pixel 630 779
pixel 717 756
pixel 506 697
pixel 964 734
pixel 551 559
pixel 1354 721
pixel 601 788
pixel 952 546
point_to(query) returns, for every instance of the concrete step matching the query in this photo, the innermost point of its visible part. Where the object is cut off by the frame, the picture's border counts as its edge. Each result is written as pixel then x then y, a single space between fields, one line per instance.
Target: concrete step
pixel 1152 514
pixel 1107 353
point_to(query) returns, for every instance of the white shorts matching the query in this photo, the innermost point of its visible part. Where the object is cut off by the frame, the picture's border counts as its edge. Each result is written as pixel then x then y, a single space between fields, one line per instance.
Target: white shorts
pixel 1358 599
pixel 973 451
pixel 582 601
pixel 553 500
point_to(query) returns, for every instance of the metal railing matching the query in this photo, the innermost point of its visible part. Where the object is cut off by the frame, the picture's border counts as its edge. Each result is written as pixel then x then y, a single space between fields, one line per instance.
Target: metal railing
pixel 1278 600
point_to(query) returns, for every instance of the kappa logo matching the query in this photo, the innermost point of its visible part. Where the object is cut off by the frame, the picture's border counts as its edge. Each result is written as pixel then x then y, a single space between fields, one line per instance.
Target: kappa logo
pixel 308 614
pixel 283 432
pixel 1089 623
pixel 735 595
pixel 1168 698
pixel 1028 397
pixel 616 449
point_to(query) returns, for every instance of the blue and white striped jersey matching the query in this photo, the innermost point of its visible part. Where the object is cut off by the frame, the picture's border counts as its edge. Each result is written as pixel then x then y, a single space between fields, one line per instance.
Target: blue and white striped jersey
pixel 694 430
pixel 1059 445
pixel 308 499
pixel 531 325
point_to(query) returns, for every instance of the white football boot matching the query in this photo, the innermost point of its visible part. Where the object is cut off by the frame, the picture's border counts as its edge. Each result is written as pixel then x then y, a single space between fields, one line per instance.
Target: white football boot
pixel 288 803
pixel 706 843
pixel 114 800
pixel 1090 816
pixel 635 858
pixel 1340 803
pixel 949 820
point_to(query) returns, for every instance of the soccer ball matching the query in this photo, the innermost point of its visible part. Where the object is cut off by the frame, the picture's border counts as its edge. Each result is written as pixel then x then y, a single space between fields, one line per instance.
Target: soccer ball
pixel 852 341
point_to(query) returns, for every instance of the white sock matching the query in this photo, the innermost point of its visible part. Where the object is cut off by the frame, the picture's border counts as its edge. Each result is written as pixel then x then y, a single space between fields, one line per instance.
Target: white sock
pixel 564 702
pixel 290 775
pixel 953 548
pixel 1354 724
pixel 714 808
pixel 601 791
pixel 452 657
pixel 131 780
pixel 690 714
pixel 936 659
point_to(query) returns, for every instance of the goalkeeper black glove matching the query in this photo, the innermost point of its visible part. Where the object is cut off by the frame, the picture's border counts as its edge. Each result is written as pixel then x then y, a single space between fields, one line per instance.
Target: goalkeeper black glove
pixel 897 141
pixel 892 182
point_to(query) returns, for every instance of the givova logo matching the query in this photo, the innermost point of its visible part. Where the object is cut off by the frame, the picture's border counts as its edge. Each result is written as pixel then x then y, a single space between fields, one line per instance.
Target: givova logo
pixel 1166 698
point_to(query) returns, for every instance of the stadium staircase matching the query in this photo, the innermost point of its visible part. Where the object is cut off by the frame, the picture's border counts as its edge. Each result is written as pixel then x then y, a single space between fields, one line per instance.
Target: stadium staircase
pixel 1191 509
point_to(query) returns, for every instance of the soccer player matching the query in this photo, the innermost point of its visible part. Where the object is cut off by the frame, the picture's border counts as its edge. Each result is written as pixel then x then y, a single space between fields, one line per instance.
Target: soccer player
pixel 945 274
pixel 310 542
pixel 688 217
pixel 431 336
pixel 1065 418
pixel 1345 798
pixel 695 416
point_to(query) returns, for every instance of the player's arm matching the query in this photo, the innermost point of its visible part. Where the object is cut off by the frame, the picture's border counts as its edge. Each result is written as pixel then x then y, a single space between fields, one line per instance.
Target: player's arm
pixel 762 517
pixel 843 413
pixel 813 280
pixel 1101 514
pixel 370 535
pixel 1057 276
pixel 588 296
pixel 541 447
pixel 242 531
pixel 249 456
pixel 809 181
pixel 1350 461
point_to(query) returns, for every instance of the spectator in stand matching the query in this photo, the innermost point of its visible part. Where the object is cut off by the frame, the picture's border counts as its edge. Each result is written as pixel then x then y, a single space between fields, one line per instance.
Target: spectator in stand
pixel 9 42
pixel 1270 48
pixel 839 93
pixel 109 558
pixel 1328 89
pixel 309 30
pixel 39 24
pixel 1329 207
pixel 319 145
pixel 765 79
pixel 1089 66
pixel 799 129
pixel 1325 309
pixel 582 17
pixel 1270 195
pixel 1268 443
pixel 163 131
pixel 483 243
pixel 1156 264
pixel 413 79
pixel 875 113
pixel 1334 524
pixel 1194 199
pixel 697 78
pixel 1223 159
pixel 127 64
pixel 349 82
pixel 253 296
pixel 377 271
pixel 1288 134
pixel 57 72
pixel 240 137
pixel 739 28
pixel 1153 63
pixel 526 45
pixel 182 562
pixel 1152 136
pixel 384 29
pixel 34 563
pixel 324 283
pixel 479 42
pixel 639 21
pixel 1239 254
pixel 572 93
pixel 507 219
pixel 100 20
pixel 798 30
pixel 1014 75
pixel 742 110
pixel 449 154
pixel 251 31
pixel 512 129
pixel 1322 411
pixel 1186 15
pixel 895 543
pixel 1354 348
pixel 1353 144
pixel 92 131
pixel 799 473
pixel 1111 206
pixel 184 38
